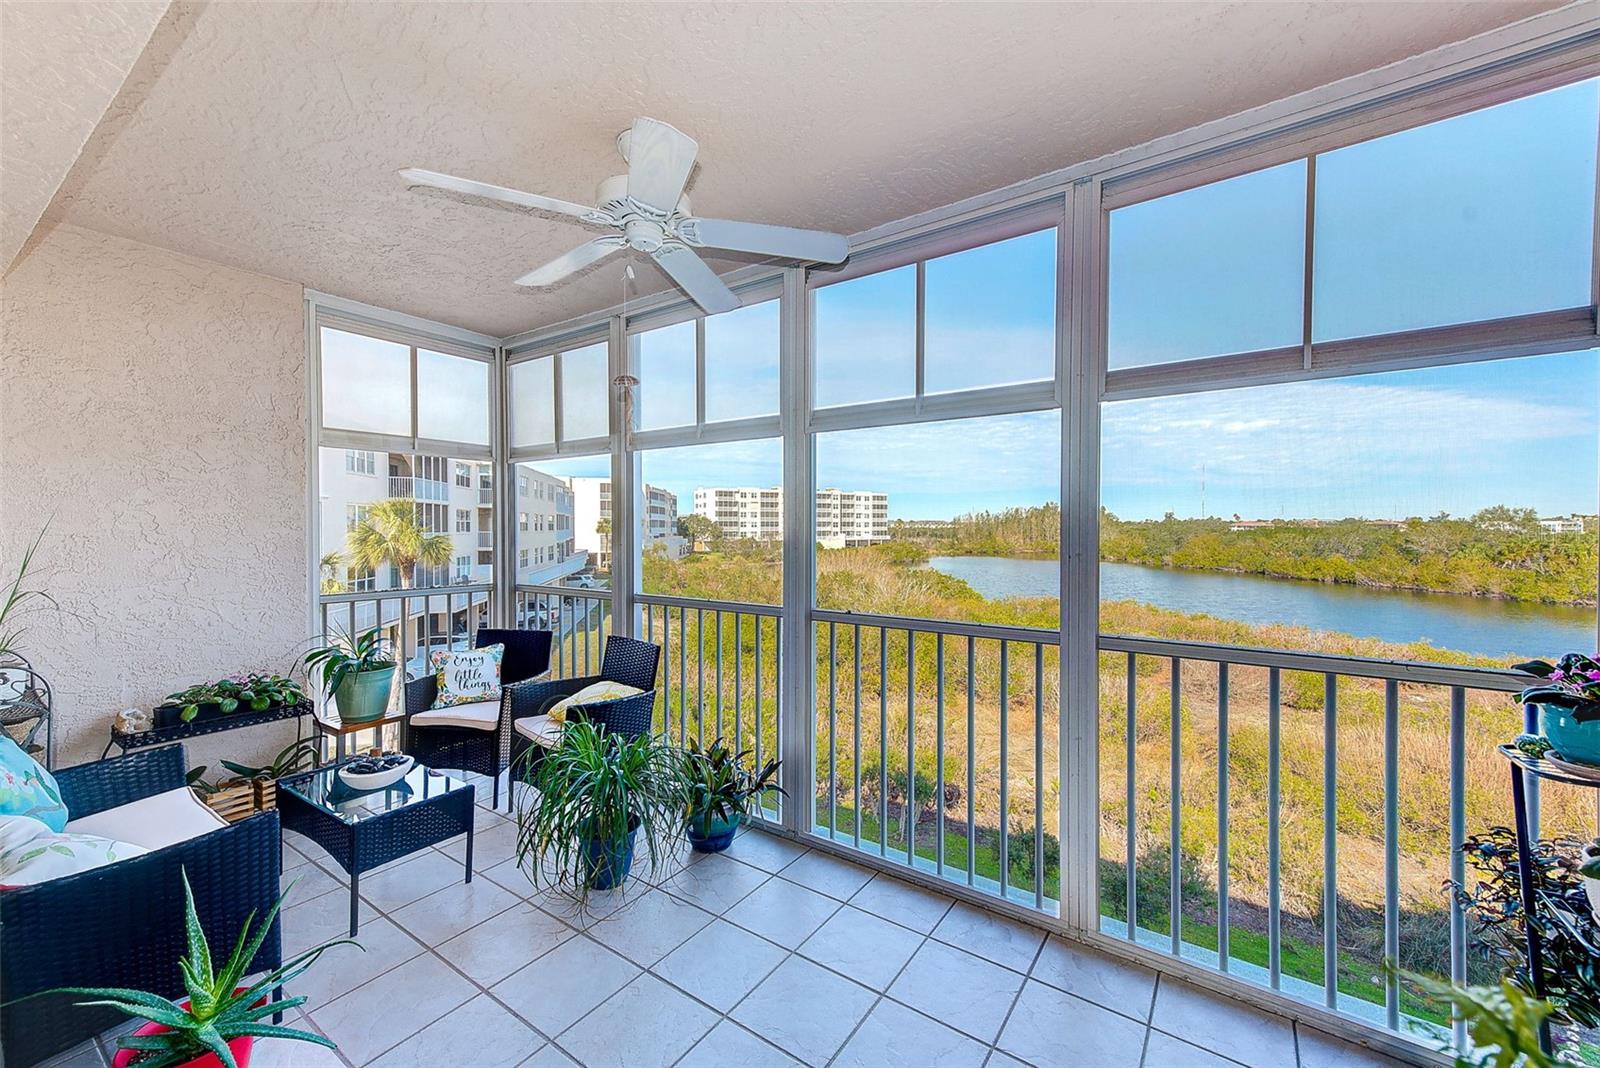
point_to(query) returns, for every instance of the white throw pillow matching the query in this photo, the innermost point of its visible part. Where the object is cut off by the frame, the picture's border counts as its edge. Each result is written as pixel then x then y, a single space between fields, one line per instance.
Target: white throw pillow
pixel 31 852
pixel 595 691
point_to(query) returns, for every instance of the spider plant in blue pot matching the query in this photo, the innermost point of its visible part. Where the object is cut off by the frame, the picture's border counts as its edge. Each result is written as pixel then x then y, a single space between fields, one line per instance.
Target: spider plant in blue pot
pixel 723 787
pixel 1568 696
pixel 598 791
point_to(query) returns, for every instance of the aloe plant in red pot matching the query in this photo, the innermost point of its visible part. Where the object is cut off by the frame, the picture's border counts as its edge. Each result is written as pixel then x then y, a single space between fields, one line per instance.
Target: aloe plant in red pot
pixel 217 1024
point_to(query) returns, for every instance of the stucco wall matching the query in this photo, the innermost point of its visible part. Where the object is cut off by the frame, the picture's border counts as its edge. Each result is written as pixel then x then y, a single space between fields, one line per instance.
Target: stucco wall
pixel 152 410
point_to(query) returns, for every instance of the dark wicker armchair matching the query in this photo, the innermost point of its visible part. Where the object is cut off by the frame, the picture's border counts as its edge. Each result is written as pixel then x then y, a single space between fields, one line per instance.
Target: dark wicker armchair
pixel 482 745
pixel 627 661
pixel 122 925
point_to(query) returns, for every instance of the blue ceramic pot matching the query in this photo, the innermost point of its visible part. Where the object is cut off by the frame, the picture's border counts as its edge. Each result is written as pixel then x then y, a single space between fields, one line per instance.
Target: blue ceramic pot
pixel 713 838
pixel 1574 741
pixel 609 862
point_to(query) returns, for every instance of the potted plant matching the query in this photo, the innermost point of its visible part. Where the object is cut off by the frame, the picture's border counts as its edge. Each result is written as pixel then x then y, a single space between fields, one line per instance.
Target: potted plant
pixel 358 675
pixel 1568 696
pixel 217 1024
pixel 1589 872
pixel 1502 1020
pixel 722 790
pixel 597 792
pixel 254 692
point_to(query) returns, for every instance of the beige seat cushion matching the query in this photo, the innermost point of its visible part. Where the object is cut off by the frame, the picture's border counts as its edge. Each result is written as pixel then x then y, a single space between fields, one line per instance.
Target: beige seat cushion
pixel 540 730
pixel 153 822
pixel 481 715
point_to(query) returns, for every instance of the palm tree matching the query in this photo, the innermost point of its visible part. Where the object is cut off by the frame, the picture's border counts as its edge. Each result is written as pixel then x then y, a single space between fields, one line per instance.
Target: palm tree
pixel 390 534
pixel 329 566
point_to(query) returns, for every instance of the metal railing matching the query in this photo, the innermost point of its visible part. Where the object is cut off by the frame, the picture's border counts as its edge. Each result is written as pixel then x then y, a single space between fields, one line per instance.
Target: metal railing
pixel 580 619
pixel 969 802
pixel 1239 709
pixel 416 622
pixel 720 666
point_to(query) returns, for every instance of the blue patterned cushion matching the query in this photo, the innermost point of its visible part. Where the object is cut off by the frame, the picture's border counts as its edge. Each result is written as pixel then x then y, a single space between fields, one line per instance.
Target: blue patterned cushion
pixel 26 789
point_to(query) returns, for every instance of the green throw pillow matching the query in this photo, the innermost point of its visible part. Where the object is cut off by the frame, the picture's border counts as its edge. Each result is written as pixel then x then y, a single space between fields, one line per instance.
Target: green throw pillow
pixel 26 789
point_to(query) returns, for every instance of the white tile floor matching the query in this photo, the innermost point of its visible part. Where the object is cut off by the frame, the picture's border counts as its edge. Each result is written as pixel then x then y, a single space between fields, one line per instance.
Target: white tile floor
pixel 769 954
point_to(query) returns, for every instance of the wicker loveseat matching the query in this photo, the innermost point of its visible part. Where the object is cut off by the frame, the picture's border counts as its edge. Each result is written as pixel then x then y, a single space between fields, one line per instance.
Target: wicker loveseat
pixel 122 925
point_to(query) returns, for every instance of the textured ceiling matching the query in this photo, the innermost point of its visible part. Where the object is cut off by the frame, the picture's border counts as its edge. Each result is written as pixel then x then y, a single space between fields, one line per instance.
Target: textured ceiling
pixel 270 137
pixel 60 65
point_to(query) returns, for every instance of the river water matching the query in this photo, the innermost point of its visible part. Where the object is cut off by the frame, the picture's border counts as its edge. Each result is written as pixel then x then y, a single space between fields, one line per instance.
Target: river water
pixel 1479 625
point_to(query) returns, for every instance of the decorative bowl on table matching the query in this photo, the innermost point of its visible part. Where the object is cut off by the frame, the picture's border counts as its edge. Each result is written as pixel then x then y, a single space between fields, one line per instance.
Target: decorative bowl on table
pixel 375 772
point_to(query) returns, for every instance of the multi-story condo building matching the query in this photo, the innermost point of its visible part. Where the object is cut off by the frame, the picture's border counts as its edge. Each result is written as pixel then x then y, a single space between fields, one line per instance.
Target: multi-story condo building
pixel 592 518
pixel 547 550
pixel 845 518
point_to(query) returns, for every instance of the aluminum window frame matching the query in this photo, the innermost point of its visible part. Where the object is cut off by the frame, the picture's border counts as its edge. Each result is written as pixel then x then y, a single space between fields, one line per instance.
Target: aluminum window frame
pixel 555 347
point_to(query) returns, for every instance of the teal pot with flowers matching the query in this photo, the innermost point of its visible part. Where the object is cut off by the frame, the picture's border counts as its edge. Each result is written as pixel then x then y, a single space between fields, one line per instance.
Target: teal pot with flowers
pixel 1568 696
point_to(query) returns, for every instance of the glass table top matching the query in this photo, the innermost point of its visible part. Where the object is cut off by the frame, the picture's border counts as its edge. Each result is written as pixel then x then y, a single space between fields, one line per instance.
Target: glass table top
pixel 325 790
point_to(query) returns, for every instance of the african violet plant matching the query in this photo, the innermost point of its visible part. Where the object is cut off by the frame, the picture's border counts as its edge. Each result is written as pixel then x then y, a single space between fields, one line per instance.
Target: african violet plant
pixel 1573 683
pixel 255 692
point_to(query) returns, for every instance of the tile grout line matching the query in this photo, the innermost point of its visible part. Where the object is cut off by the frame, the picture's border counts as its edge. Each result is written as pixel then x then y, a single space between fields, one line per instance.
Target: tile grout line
pixel 884 993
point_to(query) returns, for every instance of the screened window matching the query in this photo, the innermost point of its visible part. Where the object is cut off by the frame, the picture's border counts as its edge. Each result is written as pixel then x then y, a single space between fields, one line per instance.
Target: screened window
pixel 714 521
pixel 865 338
pixel 1481 216
pixel 367 387
pixel 452 398
pixel 564 522
pixel 533 402
pixel 990 315
pixel 1210 271
pixel 742 363
pixel 585 393
pixel 667 369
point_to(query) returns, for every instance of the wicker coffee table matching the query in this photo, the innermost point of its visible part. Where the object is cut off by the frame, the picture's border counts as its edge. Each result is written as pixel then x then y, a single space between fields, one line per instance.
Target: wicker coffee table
pixel 364 829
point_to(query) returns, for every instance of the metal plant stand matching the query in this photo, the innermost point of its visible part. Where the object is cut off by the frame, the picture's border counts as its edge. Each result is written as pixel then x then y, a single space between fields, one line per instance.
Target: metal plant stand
pixel 25 701
pixel 1533 901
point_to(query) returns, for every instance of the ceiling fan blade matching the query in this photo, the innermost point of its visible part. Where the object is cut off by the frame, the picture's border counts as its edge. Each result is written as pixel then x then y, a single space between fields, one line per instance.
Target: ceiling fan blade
pixel 659 161
pixel 417 176
pixel 695 278
pixel 573 262
pixel 813 246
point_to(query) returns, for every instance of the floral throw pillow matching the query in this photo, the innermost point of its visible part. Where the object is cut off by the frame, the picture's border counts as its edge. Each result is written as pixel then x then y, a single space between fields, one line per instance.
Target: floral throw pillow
pixel 466 676
pixel 26 789
pixel 32 853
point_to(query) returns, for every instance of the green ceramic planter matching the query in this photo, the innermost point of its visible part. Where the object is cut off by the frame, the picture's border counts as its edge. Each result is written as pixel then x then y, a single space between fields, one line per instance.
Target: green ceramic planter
pixel 365 695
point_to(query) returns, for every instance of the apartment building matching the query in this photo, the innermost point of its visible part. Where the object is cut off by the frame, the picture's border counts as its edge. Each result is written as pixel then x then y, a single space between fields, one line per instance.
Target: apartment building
pixel 592 518
pixel 845 518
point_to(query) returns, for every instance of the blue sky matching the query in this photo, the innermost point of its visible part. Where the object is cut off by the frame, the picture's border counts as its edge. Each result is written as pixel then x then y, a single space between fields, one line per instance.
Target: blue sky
pixel 1477 217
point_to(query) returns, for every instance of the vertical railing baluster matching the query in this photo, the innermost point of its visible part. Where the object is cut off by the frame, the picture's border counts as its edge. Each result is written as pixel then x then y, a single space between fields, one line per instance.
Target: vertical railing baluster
pixel 1038 776
pixel 972 764
pixel 938 751
pixel 759 713
pixel 1274 881
pixel 1330 839
pixel 777 704
pixel 700 675
pixel 1005 771
pixel 1391 850
pixel 1175 830
pixel 1458 833
pixel 1222 816
pixel 718 614
pixel 738 681
pixel 666 667
pixel 855 786
pixel 883 741
pixel 911 748
pixel 683 671
pixel 833 750
pixel 1131 844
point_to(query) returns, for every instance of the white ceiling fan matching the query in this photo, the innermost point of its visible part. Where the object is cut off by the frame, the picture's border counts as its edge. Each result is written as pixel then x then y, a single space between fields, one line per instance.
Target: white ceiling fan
pixel 648 209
